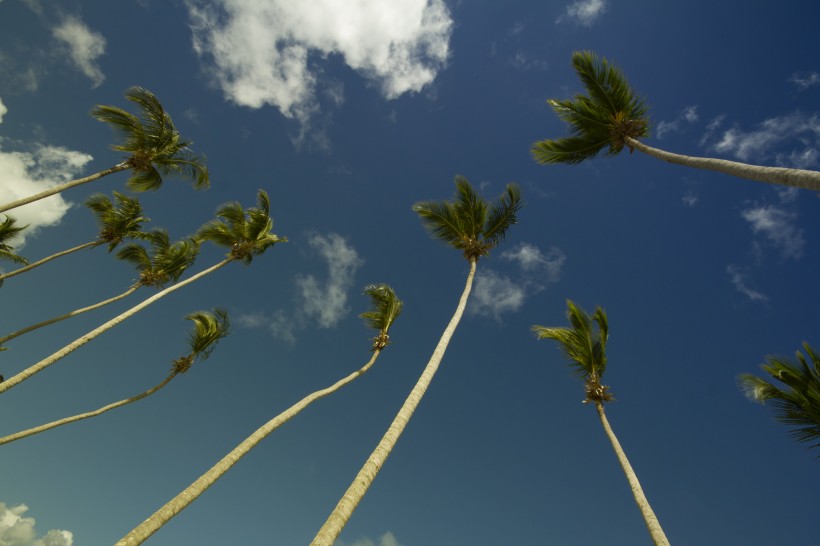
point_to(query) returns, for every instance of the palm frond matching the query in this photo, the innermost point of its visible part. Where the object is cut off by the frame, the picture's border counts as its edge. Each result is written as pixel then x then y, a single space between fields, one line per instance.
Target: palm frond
pixel 209 328
pixel 117 222
pixel 8 231
pixel 503 215
pixel 385 307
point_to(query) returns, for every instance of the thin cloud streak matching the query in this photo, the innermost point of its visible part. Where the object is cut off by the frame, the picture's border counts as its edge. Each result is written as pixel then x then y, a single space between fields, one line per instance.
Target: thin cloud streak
pixel 738 279
pixel 84 47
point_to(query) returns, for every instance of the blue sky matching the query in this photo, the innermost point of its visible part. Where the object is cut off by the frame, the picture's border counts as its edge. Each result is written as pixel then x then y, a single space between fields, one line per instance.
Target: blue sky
pixel 347 114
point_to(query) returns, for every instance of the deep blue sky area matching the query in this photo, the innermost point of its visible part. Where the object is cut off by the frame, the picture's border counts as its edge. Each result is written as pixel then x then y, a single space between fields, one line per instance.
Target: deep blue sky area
pixel 347 114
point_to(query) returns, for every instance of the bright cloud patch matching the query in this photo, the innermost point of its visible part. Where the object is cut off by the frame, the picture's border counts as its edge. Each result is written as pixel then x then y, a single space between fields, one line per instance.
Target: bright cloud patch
pixel 18 530
pixel 3 110
pixel 777 225
pixel 84 47
pixel 536 264
pixel 583 12
pixel 263 52
pixel 763 141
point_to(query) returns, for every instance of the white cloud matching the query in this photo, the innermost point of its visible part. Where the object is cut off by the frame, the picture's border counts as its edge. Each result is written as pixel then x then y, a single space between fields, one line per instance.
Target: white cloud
pixel 85 47
pixel 777 225
pixel 3 110
pixel 18 530
pixel 495 294
pixel 738 279
pixel 583 12
pixel 544 267
pixel 759 142
pixel 326 302
pixel 387 539
pixel 690 199
pixel 805 80
pixel 688 115
pixel 268 52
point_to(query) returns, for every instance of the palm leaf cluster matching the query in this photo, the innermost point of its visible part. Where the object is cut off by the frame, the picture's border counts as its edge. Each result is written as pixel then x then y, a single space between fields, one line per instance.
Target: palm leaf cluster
pixel 8 231
pixel 118 220
pixel 165 262
pixel 209 328
pixel 468 222
pixel 385 308
pixel 797 402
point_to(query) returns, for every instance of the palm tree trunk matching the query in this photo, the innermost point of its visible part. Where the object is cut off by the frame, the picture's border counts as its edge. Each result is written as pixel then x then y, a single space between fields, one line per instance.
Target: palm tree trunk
pixel 46 362
pixel 79 417
pixel 334 524
pixel 173 507
pixel 74 313
pixel 62 187
pixel 655 531
pixel 798 178
pixel 38 263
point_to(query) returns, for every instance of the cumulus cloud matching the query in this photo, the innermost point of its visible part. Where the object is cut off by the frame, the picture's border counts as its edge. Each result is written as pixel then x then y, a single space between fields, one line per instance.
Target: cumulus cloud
pixel 583 12
pixel 778 226
pixel 268 53
pixel 805 80
pixel 495 294
pixel 738 279
pixel 688 115
pixel 18 530
pixel 84 47
pixel 759 143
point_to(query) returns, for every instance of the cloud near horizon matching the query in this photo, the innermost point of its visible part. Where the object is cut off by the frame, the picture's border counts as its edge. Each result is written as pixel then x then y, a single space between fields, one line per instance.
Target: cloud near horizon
pixel 18 530
pixel 84 47
pixel 387 539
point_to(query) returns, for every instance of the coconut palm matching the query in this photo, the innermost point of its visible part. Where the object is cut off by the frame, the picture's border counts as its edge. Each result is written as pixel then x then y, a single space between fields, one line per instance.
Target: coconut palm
pixel 471 225
pixel 166 262
pixel 386 307
pixel 152 142
pixel 118 221
pixel 612 116
pixel 209 328
pixel 250 230
pixel 798 404
pixel 585 347
pixel 8 231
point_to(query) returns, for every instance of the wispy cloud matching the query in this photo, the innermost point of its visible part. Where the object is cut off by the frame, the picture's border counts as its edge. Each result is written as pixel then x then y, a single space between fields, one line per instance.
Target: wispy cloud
pixel 387 539
pixel 777 225
pixel 583 12
pixel 3 110
pixel 760 143
pixel 259 50
pixel 689 115
pixel 804 80
pixel 18 530
pixel 84 47
pixel 536 264
pixel 738 279
pixel 689 199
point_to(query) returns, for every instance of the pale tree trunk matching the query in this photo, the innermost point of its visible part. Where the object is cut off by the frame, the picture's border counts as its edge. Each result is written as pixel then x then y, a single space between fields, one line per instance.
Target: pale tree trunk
pixel 38 263
pixel 68 185
pixel 79 417
pixel 334 524
pixel 798 178
pixel 142 532
pixel 79 342
pixel 655 531
pixel 74 313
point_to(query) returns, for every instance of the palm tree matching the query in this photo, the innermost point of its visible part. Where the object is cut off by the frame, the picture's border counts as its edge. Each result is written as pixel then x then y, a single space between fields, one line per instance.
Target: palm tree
pixel 152 142
pixel 165 263
pixel 386 307
pixel 209 328
pixel 471 225
pixel 798 404
pixel 117 222
pixel 585 347
pixel 8 230
pixel 612 116
pixel 251 237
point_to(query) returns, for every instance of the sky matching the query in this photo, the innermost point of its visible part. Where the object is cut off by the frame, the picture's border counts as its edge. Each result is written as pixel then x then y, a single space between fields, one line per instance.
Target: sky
pixel 347 113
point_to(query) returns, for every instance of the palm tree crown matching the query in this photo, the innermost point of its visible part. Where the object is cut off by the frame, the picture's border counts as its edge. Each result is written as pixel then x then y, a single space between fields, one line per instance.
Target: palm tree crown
pixel 798 404
pixel 386 307
pixel 209 328
pixel 119 221
pixel 8 230
pixel 469 223
pixel 153 143
pixel 166 261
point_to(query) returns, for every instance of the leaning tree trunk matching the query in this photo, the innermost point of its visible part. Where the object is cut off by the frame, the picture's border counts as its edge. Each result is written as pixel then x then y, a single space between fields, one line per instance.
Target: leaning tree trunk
pixel 68 185
pixel 655 531
pixel 143 531
pixel 79 417
pixel 334 524
pixel 798 178
pixel 77 343
pixel 38 263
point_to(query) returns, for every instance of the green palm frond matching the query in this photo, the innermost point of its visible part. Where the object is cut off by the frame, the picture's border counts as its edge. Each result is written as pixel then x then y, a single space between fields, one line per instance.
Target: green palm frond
pixel 166 261
pixel 385 308
pixel 209 328
pixel 119 221
pixel 8 231
pixel 798 403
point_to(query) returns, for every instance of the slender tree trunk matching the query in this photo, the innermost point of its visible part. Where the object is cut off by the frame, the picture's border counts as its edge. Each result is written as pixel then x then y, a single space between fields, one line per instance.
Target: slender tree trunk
pixel 74 313
pixel 655 531
pixel 79 417
pixel 173 507
pixel 79 342
pixel 334 524
pixel 38 263
pixel 68 185
pixel 798 178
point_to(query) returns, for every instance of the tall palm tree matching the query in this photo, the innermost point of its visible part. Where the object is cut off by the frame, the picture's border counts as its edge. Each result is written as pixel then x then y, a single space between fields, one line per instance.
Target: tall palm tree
pixel 798 404
pixel 386 307
pixel 8 230
pixel 612 116
pixel 471 225
pixel 209 328
pixel 166 262
pixel 585 347
pixel 250 230
pixel 152 142
pixel 118 221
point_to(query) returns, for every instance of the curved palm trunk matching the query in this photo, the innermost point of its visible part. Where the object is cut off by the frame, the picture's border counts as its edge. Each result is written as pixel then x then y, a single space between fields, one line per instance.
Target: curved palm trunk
pixel 46 362
pixel 68 185
pixel 334 524
pixel 798 178
pixel 173 507
pixel 655 531
pixel 74 313
pixel 79 417
pixel 38 263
